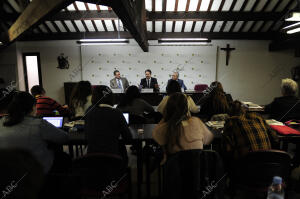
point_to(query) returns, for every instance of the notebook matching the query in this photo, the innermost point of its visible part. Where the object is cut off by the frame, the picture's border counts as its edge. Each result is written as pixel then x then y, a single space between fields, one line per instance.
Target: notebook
pixel 56 121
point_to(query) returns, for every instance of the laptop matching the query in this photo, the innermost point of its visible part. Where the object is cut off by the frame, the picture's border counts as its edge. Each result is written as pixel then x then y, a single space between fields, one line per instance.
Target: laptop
pixel 56 121
pixel 126 115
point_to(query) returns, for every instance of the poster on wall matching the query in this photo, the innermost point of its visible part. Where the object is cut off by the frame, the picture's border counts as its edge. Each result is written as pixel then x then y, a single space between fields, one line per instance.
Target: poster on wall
pixel 195 64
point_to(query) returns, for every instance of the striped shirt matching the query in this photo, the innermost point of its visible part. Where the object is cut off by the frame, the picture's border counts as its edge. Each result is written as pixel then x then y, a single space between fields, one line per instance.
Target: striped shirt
pixel 246 133
pixel 45 106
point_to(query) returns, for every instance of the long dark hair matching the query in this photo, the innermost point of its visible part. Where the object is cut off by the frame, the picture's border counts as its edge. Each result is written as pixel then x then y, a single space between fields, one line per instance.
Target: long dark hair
pixel 175 112
pixel 173 87
pixel 102 95
pixel 236 108
pixel 79 94
pixel 20 106
pixel 132 92
pixel 218 98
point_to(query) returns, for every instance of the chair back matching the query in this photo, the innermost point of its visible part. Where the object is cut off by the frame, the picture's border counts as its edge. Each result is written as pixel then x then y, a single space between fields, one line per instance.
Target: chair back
pixel 200 87
pixel 257 168
pixel 193 174
pixel 97 170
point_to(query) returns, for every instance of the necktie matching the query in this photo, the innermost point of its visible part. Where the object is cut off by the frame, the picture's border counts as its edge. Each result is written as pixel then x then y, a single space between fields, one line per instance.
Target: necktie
pixel 148 84
pixel 119 84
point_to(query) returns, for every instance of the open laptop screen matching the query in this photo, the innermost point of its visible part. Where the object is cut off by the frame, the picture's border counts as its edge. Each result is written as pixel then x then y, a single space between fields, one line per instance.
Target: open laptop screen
pixel 56 121
pixel 126 115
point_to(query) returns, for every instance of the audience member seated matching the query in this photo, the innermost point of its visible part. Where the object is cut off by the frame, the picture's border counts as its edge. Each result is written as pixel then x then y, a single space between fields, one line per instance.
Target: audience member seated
pixel 45 106
pixel 133 104
pixel 81 99
pixel 20 129
pixel 104 125
pixel 286 107
pixel 5 98
pixel 245 132
pixel 215 101
pixel 179 131
pixel 174 87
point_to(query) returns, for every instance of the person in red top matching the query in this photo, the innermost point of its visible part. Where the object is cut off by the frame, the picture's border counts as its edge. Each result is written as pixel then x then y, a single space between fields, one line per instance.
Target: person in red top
pixel 45 106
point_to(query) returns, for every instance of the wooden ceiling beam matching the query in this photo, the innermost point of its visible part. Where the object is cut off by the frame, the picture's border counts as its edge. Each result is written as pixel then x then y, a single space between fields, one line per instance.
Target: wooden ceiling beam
pixel 133 16
pixel 153 35
pixel 33 14
pixel 162 16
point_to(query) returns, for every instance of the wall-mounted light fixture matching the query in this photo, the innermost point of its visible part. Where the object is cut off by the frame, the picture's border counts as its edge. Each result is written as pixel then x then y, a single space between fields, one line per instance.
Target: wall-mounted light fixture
pixel 103 41
pixel 184 41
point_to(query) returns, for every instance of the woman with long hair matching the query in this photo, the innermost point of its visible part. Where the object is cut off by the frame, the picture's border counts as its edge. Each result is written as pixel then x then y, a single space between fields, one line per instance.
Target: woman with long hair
pixel 21 130
pixel 179 131
pixel 133 104
pixel 216 101
pixel 174 87
pixel 81 98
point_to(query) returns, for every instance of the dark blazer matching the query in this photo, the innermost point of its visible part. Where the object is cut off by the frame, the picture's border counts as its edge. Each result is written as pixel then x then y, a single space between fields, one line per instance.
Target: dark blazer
pixel 284 108
pixel 181 83
pixel 152 82
pixel 103 127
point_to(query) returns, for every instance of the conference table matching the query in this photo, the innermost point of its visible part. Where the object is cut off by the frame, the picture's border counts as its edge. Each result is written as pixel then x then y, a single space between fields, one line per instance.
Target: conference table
pixel 153 98
pixel 141 133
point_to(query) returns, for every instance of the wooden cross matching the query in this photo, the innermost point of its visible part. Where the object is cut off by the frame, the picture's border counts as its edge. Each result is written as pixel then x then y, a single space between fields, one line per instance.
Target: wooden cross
pixel 227 49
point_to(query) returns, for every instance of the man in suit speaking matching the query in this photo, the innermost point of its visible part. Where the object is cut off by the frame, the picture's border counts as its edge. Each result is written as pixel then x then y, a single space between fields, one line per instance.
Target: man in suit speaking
pixel 149 82
pixel 119 82
pixel 175 77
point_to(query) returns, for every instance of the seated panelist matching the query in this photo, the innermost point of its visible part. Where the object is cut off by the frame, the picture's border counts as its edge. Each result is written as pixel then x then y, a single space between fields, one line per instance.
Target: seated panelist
pixel 149 82
pixel 119 82
pixel 175 77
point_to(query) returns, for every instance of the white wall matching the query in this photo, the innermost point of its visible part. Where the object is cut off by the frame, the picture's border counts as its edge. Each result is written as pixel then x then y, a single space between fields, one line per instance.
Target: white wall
pixel 196 64
pixel 53 78
pixel 253 73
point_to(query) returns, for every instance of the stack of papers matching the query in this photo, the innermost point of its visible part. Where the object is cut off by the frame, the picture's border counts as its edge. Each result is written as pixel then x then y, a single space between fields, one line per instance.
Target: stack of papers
pixel 274 122
pixel 252 106
pixel 215 124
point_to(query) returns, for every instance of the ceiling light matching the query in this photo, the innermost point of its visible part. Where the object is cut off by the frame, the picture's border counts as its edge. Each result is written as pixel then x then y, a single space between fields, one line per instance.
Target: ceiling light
pixel 293 31
pixel 293 25
pixel 1 43
pixel 293 16
pixel 184 41
pixel 103 41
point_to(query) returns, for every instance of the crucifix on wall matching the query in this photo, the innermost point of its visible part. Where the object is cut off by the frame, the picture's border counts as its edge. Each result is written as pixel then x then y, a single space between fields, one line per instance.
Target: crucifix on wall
pixel 227 49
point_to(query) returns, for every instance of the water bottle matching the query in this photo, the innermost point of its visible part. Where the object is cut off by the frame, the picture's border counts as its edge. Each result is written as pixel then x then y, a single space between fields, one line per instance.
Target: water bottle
pixel 276 191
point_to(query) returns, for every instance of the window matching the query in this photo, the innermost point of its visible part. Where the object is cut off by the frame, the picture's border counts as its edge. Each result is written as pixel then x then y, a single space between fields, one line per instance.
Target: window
pixel 32 70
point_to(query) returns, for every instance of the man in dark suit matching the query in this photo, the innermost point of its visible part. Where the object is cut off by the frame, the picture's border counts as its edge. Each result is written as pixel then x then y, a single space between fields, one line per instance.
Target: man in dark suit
pixel 175 77
pixel 149 82
pixel 118 81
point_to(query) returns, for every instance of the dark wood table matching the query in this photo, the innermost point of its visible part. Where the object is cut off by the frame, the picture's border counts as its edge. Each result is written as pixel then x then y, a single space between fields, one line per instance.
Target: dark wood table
pixel 152 98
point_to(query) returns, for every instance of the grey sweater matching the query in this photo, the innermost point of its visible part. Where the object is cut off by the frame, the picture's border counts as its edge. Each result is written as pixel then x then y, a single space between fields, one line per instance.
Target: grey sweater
pixel 32 134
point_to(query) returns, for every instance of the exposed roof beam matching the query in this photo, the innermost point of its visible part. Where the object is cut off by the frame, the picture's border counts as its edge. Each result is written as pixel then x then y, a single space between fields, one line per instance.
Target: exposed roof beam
pixel 34 13
pixel 161 16
pixel 133 16
pixel 152 35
